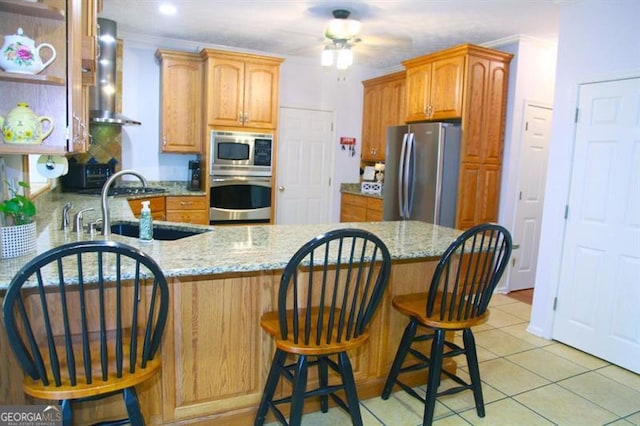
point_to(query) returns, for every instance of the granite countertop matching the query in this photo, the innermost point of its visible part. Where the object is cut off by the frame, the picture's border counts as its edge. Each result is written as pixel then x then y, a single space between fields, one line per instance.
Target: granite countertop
pixel 356 188
pixel 223 249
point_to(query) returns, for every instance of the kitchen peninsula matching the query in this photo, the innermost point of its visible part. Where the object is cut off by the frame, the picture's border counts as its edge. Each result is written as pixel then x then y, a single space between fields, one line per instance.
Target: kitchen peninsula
pixel 214 353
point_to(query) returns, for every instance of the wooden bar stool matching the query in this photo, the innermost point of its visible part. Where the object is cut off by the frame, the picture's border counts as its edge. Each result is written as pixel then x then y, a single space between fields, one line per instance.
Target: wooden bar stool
pixel 94 330
pixel 457 299
pixel 328 294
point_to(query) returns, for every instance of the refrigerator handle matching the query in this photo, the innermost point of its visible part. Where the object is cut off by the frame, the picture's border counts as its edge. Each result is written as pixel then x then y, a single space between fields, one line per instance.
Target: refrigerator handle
pixel 411 157
pixel 405 178
pixel 401 201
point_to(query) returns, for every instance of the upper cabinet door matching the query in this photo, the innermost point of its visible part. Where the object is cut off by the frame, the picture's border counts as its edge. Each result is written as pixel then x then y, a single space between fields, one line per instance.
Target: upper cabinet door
pixel 226 92
pixel 418 86
pixel 241 89
pixel 446 88
pixel 181 102
pixel 260 95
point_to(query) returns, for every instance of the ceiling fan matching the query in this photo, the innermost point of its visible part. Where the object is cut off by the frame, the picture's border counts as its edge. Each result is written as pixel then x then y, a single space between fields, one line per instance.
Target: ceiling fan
pixel 342 32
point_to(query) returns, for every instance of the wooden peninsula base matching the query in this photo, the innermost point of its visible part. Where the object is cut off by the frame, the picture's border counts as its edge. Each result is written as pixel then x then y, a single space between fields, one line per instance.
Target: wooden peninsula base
pixel 216 357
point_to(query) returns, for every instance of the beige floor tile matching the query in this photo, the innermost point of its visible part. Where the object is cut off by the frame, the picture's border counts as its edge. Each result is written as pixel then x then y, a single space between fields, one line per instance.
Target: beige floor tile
pixel 605 392
pixel 574 355
pixel 454 420
pixel 335 416
pixel 401 409
pixel 501 343
pixel 634 419
pixel 626 377
pixel 564 407
pixel 464 400
pixel 520 331
pixel 500 299
pixel 620 422
pixel 499 318
pixel 508 377
pixel 481 353
pixel 518 309
pixel 548 365
pixel 505 412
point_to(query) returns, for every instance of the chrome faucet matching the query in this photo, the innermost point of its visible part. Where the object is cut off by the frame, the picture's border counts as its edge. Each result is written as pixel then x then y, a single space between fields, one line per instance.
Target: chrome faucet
pixel 65 216
pixel 78 220
pixel 106 222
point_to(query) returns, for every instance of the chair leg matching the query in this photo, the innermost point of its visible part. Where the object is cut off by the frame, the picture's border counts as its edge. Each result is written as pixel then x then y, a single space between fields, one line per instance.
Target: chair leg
pixel 299 388
pixel 474 371
pixel 350 389
pixel 405 343
pixel 433 379
pixel 270 386
pixel 67 413
pixel 133 406
pixel 323 378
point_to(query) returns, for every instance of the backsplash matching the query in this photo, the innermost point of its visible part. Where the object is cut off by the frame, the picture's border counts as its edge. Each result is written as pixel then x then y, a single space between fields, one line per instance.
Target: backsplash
pixel 106 140
pixel 105 146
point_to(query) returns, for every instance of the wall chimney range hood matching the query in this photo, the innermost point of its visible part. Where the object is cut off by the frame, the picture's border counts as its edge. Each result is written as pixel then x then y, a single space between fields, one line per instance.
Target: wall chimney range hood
pixel 102 96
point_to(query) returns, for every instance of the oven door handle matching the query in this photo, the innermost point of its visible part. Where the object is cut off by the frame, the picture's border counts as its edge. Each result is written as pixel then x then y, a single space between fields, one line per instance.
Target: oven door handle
pixel 240 180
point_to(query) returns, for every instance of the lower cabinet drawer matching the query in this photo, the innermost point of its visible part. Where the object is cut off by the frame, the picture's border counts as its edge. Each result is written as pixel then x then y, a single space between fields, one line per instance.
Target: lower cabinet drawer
pixel 200 217
pixel 187 203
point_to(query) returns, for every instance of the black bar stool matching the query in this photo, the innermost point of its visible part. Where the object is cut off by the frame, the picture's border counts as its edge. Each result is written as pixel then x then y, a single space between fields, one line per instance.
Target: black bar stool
pixel 329 292
pixel 460 291
pixel 94 330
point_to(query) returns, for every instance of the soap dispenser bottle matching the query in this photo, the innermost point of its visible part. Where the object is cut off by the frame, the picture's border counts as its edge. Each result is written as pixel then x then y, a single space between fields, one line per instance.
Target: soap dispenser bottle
pixel 146 223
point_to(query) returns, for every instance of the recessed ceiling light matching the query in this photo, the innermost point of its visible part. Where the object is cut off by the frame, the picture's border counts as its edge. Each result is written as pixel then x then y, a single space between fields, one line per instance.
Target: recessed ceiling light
pixel 167 9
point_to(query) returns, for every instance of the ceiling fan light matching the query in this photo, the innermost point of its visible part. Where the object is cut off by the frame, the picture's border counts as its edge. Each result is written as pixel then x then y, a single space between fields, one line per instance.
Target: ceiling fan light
pixel 344 58
pixel 327 57
pixel 343 28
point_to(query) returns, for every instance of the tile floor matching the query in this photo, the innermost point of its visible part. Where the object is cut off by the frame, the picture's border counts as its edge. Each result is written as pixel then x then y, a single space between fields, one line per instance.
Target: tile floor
pixel 526 380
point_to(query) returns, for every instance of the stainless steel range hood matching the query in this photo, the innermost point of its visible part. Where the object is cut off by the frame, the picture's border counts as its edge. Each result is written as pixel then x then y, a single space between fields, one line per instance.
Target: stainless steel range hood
pixel 102 96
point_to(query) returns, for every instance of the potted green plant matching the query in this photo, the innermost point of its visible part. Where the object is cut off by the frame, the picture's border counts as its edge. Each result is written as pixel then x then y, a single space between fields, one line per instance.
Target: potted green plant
pixel 18 234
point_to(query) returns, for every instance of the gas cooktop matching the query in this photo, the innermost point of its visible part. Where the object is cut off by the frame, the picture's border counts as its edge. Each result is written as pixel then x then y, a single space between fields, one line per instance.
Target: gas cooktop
pixel 122 191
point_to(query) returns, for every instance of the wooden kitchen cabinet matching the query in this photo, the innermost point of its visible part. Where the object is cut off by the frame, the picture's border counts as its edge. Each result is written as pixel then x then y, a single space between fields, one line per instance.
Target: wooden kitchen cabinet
pixel 59 91
pixel 181 101
pixel 157 205
pixel 383 105
pixel 45 93
pixel 360 208
pixel 466 84
pixel 435 87
pixel 241 89
pixel 82 39
pixel 188 209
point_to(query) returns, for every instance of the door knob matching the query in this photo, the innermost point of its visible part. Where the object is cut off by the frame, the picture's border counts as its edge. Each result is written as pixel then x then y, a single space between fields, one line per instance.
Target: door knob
pixel 281 188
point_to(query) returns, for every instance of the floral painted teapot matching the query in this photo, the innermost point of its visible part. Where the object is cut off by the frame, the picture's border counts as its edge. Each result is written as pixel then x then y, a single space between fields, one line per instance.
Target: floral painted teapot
pixel 20 54
pixel 23 126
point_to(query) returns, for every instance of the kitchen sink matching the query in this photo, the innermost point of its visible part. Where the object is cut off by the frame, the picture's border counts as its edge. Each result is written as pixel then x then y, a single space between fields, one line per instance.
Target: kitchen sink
pixel 160 232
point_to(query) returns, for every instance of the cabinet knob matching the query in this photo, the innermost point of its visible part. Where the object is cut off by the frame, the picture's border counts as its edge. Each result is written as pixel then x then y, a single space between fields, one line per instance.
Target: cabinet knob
pixel 281 188
pixel 240 118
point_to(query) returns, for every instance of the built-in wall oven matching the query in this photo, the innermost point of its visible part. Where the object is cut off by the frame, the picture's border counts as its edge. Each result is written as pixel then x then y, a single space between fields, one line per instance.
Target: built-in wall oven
pixel 241 170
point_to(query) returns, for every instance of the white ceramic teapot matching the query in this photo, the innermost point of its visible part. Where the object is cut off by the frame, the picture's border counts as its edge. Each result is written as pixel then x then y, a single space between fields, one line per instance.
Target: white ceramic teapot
pixel 19 54
pixel 23 126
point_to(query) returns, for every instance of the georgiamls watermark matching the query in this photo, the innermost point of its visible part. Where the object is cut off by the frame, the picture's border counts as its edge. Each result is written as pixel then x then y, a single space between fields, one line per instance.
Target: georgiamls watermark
pixel 30 415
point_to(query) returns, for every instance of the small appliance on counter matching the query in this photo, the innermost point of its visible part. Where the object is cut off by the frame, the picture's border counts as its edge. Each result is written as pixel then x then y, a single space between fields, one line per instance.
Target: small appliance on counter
pixel 88 179
pixel 194 176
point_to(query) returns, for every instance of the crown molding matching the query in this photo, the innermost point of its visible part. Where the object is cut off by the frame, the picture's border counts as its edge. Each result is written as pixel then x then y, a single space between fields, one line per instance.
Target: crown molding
pixel 517 38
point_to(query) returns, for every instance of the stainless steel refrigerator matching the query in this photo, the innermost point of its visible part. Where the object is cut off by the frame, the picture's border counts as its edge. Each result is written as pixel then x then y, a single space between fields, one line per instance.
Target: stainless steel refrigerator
pixel 421 173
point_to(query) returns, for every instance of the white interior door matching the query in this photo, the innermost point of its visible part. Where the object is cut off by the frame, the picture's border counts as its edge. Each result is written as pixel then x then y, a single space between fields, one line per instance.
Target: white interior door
pixel 304 166
pixel 532 176
pixel 599 292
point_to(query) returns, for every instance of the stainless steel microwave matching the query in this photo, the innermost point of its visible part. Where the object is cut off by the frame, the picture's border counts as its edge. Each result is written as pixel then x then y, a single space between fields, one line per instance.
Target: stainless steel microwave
pixel 241 153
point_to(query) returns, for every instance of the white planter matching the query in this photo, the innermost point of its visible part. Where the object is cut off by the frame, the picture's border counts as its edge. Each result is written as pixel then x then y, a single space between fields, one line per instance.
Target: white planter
pixel 17 240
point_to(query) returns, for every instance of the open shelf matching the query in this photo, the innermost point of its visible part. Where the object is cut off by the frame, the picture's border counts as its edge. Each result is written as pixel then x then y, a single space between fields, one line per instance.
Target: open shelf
pixel 39 10
pixel 20 149
pixel 31 78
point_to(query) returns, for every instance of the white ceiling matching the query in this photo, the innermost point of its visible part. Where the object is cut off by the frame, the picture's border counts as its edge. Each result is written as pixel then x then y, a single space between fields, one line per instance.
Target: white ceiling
pixel 392 30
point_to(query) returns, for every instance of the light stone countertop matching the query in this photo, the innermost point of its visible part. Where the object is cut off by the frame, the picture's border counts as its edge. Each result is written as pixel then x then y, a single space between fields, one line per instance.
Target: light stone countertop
pixel 223 249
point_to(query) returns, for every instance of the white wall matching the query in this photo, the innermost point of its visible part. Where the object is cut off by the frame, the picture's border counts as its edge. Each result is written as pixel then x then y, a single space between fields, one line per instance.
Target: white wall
pixel 141 101
pixel 598 40
pixel 531 79
pixel 306 84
